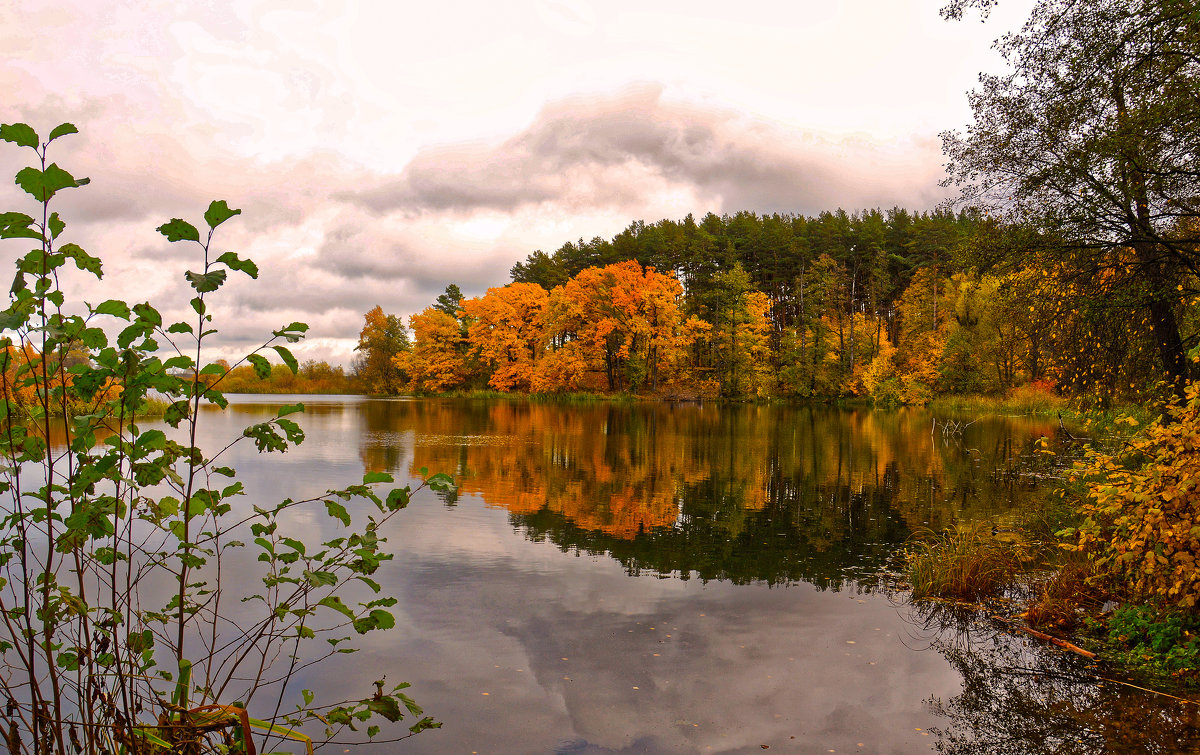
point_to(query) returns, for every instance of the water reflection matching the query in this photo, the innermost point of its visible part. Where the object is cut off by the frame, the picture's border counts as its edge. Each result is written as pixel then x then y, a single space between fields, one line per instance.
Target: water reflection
pixel 1019 697
pixel 520 625
pixel 770 494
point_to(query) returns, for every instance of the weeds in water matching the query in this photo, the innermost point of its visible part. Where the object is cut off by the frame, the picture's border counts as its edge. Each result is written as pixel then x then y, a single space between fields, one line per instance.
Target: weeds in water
pixel 1048 516
pixel 965 562
pixel 1060 600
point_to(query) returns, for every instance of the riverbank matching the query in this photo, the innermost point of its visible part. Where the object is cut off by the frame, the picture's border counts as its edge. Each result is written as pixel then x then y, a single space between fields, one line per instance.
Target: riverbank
pixel 1031 574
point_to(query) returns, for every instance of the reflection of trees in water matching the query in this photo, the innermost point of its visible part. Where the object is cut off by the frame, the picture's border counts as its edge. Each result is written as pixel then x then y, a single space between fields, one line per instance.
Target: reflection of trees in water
pixel 1019 697
pixel 715 539
pixel 723 492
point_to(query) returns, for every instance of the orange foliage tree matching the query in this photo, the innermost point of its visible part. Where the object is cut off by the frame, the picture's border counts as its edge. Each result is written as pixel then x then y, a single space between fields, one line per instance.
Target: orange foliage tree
pixel 506 333
pixel 619 321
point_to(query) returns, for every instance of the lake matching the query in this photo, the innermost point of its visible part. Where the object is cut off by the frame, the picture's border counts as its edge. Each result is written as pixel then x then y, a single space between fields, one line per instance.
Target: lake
pixel 654 578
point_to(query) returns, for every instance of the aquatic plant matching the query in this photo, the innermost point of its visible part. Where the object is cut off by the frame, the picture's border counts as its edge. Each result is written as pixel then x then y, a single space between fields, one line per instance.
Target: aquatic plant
pixel 966 562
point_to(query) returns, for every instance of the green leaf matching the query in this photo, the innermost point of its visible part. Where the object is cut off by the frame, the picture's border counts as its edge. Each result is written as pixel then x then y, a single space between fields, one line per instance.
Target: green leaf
pixel 383 619
pixel 44 184
pixel 83 260
pixel 179 230
pixel 147 313
pixel 295 435
pixel 16 225
pixel 218 212
pixel 289 409
pixel 144 732
pixel 61 129
pixel 338 511
pixel 372 477
pixel 397 498
pixel 93 338
pixel 176 412
pixel 180 327
pixel 19 134
pixel 292 333
pixel 205 282
pixel 12 320
pixel 57 226
pixel 282 731
pixel 286 355
pixel 114 307
pixel 386 707
pixel 334 602
pixel 235 262
pixel 262 368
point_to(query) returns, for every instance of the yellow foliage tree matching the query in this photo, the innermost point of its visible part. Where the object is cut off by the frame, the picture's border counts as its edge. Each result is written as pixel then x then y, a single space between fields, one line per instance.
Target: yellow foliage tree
pixel 381 339
pixel 1142 507
pixel 923 313
pixel 436 362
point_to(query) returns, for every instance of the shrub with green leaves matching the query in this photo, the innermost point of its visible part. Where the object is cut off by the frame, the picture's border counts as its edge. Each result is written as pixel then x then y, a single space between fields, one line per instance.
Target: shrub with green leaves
pixel 1153 640
pixel 115 634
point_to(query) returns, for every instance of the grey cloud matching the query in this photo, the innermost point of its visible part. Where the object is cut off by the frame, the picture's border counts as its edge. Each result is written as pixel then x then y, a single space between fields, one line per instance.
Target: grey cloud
pixel 605 149
pixel 366 256
pixel 584 167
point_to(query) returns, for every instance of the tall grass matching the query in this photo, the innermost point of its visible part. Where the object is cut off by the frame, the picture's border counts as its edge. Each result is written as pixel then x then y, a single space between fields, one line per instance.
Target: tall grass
pixel 1032 398
pixel 153 407
pixel 965 562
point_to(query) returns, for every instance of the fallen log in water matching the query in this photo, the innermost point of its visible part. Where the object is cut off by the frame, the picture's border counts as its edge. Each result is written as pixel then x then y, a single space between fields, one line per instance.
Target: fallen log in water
pixel 1048 638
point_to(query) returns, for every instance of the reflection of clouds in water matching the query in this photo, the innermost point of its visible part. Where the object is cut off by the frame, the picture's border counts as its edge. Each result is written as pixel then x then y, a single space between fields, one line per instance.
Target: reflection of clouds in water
pixel 713 664
pixel 483 609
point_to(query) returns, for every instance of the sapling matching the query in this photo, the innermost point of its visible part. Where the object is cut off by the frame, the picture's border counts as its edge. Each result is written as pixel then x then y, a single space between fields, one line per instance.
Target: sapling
pixel 117 534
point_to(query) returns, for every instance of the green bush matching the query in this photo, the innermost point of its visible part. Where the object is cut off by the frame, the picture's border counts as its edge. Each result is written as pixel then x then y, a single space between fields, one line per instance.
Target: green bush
pixel 1151 640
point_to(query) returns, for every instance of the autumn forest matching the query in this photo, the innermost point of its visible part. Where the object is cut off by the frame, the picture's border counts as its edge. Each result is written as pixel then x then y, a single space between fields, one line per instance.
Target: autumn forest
pixel 896 307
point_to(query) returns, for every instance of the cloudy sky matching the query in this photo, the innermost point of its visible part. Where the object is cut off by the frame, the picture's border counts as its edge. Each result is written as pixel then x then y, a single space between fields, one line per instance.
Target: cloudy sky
pixel 381 150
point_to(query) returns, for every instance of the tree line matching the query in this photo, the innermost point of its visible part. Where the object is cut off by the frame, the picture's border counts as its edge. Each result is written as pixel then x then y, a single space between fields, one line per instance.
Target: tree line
pixel 895 305
pixel 1070 260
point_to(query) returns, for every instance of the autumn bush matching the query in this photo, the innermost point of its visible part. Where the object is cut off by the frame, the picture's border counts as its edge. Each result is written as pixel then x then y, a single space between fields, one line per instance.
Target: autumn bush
pixel 1037 397
pixel 1061 598
pixel 1142 507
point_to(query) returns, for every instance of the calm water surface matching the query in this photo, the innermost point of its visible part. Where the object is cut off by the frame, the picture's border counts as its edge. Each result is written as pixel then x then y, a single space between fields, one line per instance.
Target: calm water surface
pixel 687 579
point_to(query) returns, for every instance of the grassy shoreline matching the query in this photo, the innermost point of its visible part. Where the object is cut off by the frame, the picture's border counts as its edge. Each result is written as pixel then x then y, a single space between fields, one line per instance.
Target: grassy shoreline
pixel 1026 573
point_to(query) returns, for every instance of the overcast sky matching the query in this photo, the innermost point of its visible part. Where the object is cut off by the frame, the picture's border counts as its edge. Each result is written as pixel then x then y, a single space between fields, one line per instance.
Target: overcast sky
pixel 381 150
